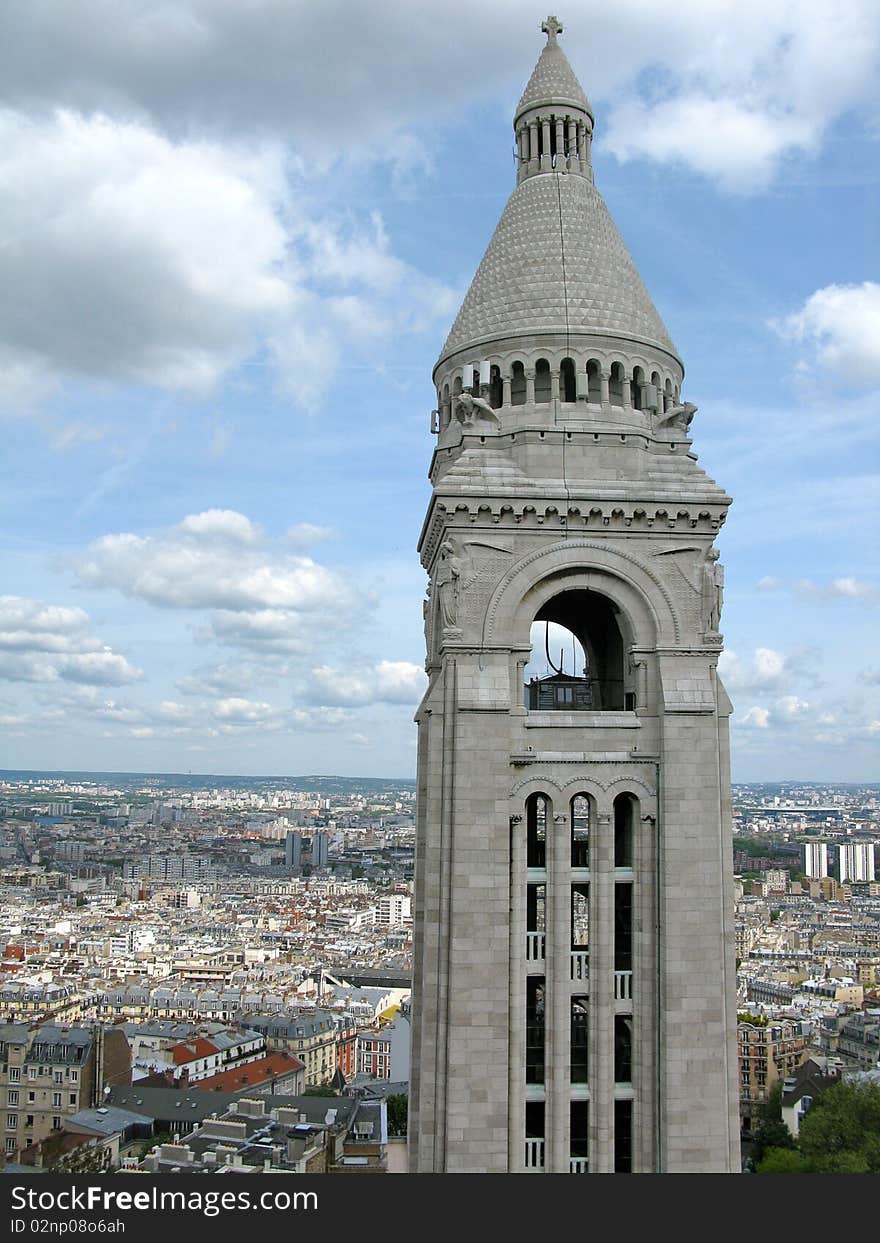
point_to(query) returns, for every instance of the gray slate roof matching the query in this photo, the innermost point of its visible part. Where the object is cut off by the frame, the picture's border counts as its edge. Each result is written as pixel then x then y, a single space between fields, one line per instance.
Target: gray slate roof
pixel 553 81
pixel 556 262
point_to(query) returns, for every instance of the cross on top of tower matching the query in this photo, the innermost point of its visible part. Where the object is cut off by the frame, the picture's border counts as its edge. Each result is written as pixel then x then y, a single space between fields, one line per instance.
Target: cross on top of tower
pixel 551 28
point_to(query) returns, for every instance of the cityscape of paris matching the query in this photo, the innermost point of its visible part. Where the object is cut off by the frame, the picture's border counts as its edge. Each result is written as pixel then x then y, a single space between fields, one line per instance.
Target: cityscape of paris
pixel 556 852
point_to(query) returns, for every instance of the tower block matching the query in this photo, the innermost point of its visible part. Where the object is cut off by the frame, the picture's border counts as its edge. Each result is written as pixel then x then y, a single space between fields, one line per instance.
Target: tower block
pixel 574 998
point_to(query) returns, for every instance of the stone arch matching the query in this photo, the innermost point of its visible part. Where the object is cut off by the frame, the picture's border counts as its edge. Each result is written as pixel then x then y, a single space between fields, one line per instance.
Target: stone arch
pixel 517 383
pixel 543 386
pixel 641 598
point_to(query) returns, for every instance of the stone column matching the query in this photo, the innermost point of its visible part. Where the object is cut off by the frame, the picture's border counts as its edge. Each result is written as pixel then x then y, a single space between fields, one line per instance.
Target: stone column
pixel 505 389
pixel 560 143
pixel 602 997
pixel 626 391
pixel 581 146
pixel 572 144
pixel 554 384
pixel 530 386
pixel 644 1049
pixel 533 146
pixel 516 1066
pixel 558 970
pixel 545 157
pixel 605 396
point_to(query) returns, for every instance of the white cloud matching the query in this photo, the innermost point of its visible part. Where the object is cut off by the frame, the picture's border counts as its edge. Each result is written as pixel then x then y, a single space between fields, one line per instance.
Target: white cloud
pixel 205 563
pixel 50 643
pixel 222 524
pixel 840 326
pixel 305 534
pixel 729 141
pixel 142 259
pixel 757 718
pixel 765 670
pixel 134 258
pixel 387 682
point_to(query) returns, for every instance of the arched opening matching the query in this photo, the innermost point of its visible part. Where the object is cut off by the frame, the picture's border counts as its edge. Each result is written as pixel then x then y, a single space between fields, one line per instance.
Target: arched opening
pixel 580 831
pixel 553 152
pixel 496 387
pixel 517 384
pixel 456 386
pixel 567 383
pixel 577 655
pixel 445 410
pixel 624 830
pixel 542 381
pixel 667 395
pixel 594 381
pixel 615 384
pixel 638 388
pixel 536 831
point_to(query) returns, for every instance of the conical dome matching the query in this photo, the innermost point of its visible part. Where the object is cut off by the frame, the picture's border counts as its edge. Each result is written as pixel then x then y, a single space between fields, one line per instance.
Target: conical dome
pixel 552 82
pixel 556 263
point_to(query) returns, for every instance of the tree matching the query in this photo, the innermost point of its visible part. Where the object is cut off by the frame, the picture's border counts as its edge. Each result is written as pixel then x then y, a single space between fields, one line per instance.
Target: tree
pixel 398 1107
pixel 782 1161
pixel 772 1134
pixel 840 1134
pixel 322 1089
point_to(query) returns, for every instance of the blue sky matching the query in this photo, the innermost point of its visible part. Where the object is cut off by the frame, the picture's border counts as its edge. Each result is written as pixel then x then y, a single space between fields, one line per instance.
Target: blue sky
pixel 235 238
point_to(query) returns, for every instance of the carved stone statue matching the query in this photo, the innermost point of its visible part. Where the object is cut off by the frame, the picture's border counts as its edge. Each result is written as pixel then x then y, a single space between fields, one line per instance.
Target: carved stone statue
pixel 446 583
pixel 712 591
pixel 473 410
pixel 677 416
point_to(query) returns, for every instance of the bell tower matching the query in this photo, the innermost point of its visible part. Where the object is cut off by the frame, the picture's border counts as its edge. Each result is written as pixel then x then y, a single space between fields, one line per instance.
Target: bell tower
pixel 574 995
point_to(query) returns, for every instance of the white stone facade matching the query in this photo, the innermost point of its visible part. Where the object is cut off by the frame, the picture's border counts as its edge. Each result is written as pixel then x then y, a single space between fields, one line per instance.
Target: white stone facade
pixel 574 1001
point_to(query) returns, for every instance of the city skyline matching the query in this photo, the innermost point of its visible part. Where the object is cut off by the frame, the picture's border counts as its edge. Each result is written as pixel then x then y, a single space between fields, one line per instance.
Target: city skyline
pixel 232 290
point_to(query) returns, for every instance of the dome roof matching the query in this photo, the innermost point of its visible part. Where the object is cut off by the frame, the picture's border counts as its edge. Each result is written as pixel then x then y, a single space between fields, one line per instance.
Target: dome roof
pixel 556 263
pixel 552 82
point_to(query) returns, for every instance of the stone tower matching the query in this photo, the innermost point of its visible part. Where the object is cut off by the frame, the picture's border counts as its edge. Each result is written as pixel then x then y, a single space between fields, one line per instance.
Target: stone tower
pixel 574 970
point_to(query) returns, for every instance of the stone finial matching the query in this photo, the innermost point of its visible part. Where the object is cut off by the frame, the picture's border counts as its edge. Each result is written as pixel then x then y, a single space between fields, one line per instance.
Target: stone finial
pixel 551 28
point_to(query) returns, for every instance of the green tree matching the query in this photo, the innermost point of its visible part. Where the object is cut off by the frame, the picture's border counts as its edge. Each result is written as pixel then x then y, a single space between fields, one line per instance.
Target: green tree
pixel 840 1134
pixel 782 1161
pixel 398 1107
pixel 772 1132
pixel 322 1089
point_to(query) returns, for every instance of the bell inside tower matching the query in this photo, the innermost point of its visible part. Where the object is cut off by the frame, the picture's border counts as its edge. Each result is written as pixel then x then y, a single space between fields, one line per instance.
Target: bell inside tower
pixel 578 647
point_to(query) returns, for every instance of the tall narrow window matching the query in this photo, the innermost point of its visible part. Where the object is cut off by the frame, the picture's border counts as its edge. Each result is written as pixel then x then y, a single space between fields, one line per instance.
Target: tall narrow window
pixel 579 1019
pixel 580 831
pixel 542 380
pixel 623 1048
pixel 624 818
pixel 594 381
pixel 496 387
pixel 535 1029
pixel 623 1137
pixel 567 389
pixel 535 1125
pixel 615 385
pixel 623 927
pixel 517 385
pixel 580 1123
pixel 536 831
pixel 580 917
